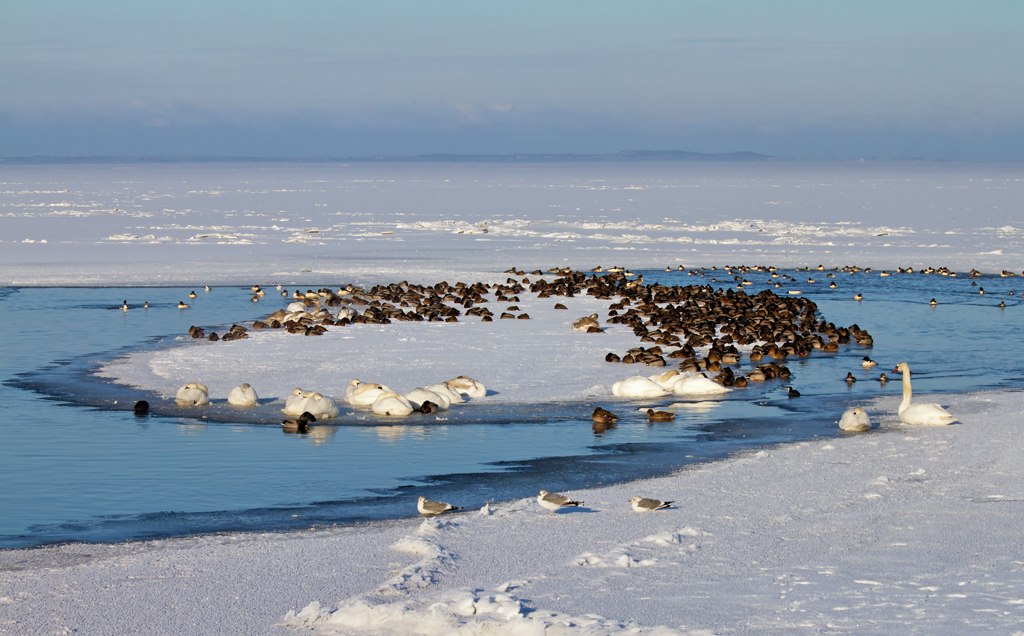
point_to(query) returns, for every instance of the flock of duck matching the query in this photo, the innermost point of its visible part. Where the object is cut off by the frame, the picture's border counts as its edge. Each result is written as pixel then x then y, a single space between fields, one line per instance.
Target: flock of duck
pixel 681 318
pixel 676 317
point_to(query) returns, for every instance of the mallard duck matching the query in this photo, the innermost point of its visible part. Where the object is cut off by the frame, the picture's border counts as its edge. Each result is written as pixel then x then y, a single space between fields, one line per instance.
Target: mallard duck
pixel 660 416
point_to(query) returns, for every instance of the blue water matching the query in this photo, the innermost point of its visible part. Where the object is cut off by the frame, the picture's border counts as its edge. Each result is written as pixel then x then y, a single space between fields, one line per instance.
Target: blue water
pixel 76 468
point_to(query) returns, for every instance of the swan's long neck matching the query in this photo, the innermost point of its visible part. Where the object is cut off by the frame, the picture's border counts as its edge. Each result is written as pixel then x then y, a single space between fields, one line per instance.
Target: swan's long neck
pixel 906 390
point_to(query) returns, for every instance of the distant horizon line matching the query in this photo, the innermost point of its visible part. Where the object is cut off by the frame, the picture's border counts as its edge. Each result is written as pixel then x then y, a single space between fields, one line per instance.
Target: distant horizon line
pixel 621 156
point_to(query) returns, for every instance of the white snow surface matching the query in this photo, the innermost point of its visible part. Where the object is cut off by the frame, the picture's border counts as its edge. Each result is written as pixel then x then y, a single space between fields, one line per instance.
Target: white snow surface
pixel 194 224
pixel 902 530
pixel 519 361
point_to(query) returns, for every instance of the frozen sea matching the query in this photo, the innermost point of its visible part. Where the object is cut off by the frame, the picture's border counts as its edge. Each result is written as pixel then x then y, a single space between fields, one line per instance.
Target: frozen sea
pixel 79 240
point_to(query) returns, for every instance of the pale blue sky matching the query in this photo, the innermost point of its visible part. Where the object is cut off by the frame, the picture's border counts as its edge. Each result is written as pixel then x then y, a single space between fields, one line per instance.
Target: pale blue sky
pixel 806 78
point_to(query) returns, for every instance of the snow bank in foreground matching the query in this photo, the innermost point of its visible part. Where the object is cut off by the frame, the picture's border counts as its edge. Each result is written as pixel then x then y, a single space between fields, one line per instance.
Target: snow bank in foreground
pixel 901 530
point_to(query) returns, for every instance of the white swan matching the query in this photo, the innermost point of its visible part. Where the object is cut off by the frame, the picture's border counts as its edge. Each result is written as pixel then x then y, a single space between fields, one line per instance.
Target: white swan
pixel 443 388
pixel 192 394
pixel 418 396
pixel 855 420
pixel 366 393
pixel 243 395
pixel 296 394
pixel 352 384
pixel 295 403
pixel 467 386
pixel 698 384
pixel 391 403
pixel 313 403
pixel 922 413
pixel 665 380
pixel 638 386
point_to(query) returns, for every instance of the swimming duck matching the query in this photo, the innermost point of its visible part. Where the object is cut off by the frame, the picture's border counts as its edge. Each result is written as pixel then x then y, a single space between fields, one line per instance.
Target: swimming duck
pixel 659 416
pixel 299 424
pixel 832 285
pixel 855 420
pixel 921 413
pixel 141 407
pixel 883 378
pixel 124 307
pixel 642 504
pixel 603 416
pixel 182 305
pixel 756 375
pixel 207 288
pixel 867 362
pixel 243 395
pixel 849 378
pixel 858 297
pixel 932 302
pixel 192 394
pixel 191 294
pixel 145 305
pixel 793 393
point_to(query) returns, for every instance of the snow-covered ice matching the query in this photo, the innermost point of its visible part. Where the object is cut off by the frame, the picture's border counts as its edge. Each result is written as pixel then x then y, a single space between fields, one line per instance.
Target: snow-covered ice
pixel 895 531
pixel 243 223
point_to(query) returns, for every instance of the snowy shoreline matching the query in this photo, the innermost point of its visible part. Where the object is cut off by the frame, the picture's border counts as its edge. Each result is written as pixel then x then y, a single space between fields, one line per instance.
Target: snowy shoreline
pixel 900 529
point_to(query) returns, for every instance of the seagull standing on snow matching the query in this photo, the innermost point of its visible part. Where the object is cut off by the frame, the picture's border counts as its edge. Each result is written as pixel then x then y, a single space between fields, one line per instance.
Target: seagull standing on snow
pixel 429 508
pixel 641 504
pixel 553 501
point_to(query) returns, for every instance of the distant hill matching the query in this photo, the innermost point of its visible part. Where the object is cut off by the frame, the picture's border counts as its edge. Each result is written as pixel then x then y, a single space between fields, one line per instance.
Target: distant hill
pixel 623 156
